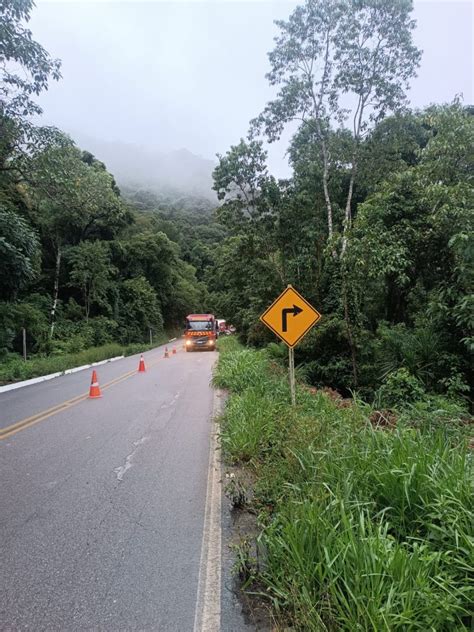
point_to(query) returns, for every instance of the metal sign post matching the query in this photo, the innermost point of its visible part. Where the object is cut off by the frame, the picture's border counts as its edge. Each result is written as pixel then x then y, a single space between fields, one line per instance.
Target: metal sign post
pixel 291 362
pixel 290 317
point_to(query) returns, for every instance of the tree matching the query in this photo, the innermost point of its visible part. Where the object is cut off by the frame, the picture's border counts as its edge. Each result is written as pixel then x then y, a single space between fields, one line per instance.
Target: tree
pixel 90 271
pixel 18 50
pixel 153 256
pixel 411 253
pixel 361 50
pixel 251 198
pixel 240 174
pixel 394 145
pixel 71 201
pixel 343 62
pixel 25 70
pixel 19 254
pixel 139 310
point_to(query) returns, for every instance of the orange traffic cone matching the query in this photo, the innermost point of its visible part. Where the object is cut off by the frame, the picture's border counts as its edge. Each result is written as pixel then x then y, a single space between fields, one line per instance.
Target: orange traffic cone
pixel 167 355
pixel 141 366
pixel 94 391
pixel 174 350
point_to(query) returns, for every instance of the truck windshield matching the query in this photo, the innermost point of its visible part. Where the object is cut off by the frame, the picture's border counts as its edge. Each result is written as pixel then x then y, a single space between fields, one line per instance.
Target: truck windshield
pixel 199 325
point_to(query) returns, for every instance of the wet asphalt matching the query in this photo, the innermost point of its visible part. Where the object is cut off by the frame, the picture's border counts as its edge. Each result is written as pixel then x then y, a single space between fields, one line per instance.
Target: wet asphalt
pixel 102 504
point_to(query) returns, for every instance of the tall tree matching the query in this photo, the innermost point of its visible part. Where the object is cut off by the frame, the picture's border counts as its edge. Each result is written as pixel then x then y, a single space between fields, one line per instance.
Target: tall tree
pixel 19 253
pixel 91 272
pixel 25 66
pixel 71 201
pixel 25 70
pixel 251 197
pixel 347 62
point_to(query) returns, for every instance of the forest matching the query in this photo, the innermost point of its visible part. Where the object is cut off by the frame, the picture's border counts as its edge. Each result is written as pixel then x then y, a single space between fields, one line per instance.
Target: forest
pixel 374 227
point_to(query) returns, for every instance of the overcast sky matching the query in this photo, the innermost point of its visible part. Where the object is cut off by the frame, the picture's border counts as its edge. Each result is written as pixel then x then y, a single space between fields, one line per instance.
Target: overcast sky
pixel 168 75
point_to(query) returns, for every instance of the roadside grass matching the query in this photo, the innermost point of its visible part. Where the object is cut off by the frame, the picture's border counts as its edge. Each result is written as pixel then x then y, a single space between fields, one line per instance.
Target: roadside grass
pixel 14 369
pixel 361 528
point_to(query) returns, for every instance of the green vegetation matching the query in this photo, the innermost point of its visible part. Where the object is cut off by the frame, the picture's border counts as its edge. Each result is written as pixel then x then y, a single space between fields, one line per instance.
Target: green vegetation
pixel 14 369
pixel 365 505
pixel 400 295
pixel 362 526
pixel 374 227
pixel 84 269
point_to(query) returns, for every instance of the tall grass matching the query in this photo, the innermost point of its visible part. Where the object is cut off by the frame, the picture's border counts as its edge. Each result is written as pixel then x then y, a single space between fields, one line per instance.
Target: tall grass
pixel 361 528
pixel 13 368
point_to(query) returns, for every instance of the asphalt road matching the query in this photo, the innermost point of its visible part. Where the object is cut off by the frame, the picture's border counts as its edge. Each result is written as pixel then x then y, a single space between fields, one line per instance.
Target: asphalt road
pixel 102 504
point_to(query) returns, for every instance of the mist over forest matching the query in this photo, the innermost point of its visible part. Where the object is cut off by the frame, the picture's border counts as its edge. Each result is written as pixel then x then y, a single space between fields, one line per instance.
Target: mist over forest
pixel 169 174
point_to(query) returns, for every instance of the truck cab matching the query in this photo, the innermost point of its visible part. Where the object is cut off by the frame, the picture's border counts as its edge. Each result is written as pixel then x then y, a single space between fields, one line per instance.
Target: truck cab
pixel 200 332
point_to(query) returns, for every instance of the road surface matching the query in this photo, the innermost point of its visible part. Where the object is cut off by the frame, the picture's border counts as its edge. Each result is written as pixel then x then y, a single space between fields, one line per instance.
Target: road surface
pixel 103 501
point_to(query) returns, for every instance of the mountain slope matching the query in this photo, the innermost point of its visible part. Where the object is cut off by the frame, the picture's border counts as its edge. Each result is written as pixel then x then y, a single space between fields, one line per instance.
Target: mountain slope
pixel 169 173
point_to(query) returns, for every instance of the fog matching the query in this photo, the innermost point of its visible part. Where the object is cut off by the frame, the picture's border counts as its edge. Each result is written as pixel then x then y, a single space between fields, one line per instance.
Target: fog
pixel 166 76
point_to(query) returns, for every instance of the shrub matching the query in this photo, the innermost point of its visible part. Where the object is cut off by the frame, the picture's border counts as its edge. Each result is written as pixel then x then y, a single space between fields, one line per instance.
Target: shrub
pixel 399 389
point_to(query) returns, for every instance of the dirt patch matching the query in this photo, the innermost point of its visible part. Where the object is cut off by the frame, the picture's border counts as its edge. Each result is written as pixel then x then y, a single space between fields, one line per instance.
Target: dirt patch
pixel 238 485
pixel 335 396
pixel 383 419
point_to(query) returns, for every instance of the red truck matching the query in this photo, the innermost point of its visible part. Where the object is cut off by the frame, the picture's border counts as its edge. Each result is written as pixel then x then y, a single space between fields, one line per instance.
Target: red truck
pixel 201 332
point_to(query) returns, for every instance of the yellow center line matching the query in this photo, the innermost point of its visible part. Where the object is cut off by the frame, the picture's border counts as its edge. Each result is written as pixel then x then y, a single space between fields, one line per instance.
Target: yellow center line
pixel 18 426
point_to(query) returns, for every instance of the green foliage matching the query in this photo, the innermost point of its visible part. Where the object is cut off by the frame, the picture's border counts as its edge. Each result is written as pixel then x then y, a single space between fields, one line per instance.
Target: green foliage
pixel 360 528
pixel 73 200
pixel 90 271
pixel 320 55
pixel 14 316
pixel 241 173
pixel 81 267
pixel 240 369
pixel 139 310
pixel 15 368
pixel 72 353
pixel 399 389
pixel 18 50
pixel 374 227
pixel 242 442
pixel 19 253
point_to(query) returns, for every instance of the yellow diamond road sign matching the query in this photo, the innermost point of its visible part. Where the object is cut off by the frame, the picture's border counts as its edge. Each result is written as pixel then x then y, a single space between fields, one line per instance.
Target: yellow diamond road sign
pixel 290 317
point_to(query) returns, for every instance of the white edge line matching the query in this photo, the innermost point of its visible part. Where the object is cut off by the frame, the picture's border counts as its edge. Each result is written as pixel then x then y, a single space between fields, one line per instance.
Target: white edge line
pixel 207 616
pixel 172 339
pixel 44 378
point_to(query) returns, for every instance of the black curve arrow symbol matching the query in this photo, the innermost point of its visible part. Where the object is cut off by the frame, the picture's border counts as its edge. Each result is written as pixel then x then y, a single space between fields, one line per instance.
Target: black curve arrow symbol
pixel 295 310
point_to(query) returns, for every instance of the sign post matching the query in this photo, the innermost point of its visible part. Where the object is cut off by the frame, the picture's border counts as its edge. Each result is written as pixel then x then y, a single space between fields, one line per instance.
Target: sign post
pixel 290 317
pixel 291 361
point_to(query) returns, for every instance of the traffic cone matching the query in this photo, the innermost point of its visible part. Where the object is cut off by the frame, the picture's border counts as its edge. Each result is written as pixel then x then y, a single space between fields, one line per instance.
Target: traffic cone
pixel 174 350
pixel 94 391
pixel 167 355
pixel 141 366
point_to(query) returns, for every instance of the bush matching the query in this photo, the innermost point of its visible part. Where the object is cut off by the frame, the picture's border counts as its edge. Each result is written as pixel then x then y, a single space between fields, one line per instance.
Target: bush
pixel 102 330
pixel 399 389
